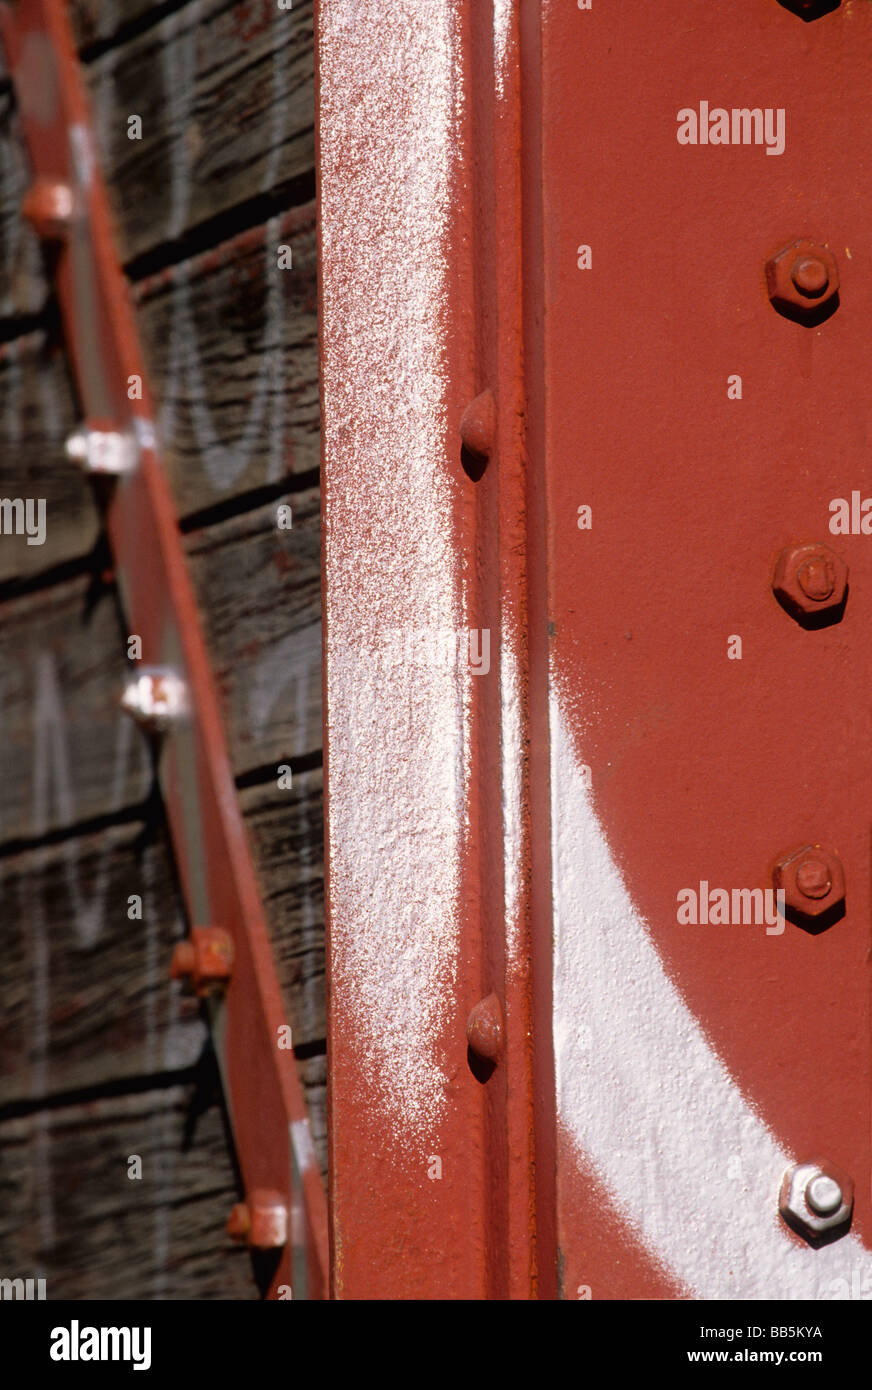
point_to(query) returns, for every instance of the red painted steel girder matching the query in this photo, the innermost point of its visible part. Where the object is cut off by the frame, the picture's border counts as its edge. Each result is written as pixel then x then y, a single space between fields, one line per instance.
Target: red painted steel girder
pixel 511 203
pixel 69 203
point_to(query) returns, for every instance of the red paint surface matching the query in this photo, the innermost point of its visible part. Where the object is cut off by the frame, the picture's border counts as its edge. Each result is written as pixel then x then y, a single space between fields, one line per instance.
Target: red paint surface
pixel 705 768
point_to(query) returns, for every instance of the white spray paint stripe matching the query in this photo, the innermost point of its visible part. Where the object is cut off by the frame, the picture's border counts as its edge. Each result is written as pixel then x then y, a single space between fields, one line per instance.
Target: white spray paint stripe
pixel 512 739
pixel 692 1167
pixel 502 36
pixel 397 749
pixel 178 63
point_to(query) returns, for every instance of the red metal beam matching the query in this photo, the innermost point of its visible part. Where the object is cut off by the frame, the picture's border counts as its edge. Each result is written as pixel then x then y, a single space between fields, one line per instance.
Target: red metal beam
pixel 263 1090
pixel 441 1096
pixel 523 248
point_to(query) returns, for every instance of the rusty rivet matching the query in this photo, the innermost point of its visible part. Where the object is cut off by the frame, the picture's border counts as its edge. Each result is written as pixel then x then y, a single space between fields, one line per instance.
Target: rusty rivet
pixel 261 1220
pixel 811 584
pixel 813 882
pixel 48 206
pixel 803 282
pixel 205 961
pixel 484 1028
pixel 817 1200
pixel 478 426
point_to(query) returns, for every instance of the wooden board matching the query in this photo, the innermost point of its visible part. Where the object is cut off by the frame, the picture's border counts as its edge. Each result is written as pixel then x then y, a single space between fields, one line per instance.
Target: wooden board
pixel 225 96
pixel 37 412
pixel 70 1213
pixel 87 998
pixel 231 343
pixel 69 752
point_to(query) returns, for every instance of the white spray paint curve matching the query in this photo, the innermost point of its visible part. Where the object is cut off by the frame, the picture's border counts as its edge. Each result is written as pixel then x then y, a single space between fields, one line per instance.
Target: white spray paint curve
pixel 691 1166
pixel 398 756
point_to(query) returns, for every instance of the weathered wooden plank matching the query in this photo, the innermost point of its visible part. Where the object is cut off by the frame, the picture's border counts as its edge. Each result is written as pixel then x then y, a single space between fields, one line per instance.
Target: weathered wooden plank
pixel 99 21
pixel 87 997
pixel 23 280
pixel 260 595
pixel 287 838
pixel 231 342
pixel 225 94
pixel 86 992
pixel 232 346
pixel 37 412
pixel 70 753
pixel 70 1213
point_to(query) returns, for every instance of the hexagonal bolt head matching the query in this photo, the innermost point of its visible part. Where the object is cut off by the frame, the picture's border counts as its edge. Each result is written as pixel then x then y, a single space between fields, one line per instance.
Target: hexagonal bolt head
pixel 810 9
pixel 803 282
pixel 110 452
pixel 811 584
pixel 205 961
pixel 817 1200
pixel 157 698
pixel 261 1220
pixel 813 881
pixel 484 1028
pixel 48 206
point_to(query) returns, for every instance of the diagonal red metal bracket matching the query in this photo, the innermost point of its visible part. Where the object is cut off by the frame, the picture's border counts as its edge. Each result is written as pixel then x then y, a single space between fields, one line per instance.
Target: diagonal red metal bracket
pixel 69 204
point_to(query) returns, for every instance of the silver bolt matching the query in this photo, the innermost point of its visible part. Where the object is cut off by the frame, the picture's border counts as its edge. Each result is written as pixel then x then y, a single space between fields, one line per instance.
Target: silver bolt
pixel 817 1200
pixel 157 698
pixel 102 451
pixel 823 1195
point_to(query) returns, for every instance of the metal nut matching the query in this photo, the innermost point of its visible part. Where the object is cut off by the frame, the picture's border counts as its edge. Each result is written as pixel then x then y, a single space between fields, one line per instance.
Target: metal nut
pixel 261 1220
pixel 48 206
pixel 817 1200
pixel 103 451
pixel 157 698
pixel 813 881
pixel 811 582
pixel 205 961
pixel 803 281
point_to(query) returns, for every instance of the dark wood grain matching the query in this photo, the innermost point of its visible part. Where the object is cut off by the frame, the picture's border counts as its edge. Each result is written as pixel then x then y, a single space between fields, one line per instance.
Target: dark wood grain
pixel 87 998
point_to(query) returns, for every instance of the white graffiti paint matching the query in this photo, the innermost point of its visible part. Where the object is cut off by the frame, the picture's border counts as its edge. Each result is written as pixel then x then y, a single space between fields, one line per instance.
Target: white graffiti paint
pixel 642 1092
pixel 399 764
pixel 223 464
pixel 503 17
pixel 52 775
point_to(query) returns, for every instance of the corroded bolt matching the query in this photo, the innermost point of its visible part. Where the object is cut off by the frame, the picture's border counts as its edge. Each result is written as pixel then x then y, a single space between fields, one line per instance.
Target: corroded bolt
pixel 811 583
pixel 812 879
pixel 478 425
pixel 810 276
pixel 261 1220
pixel 817 578
pixel 48 206
pixel 157 698
pixel 205 961
pixel 803 281
pixel 484 1028
pixel 817 1200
